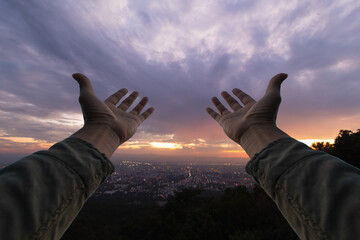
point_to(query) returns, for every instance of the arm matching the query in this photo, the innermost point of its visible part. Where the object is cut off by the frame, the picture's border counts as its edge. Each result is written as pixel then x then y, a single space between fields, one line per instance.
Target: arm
pixel 42 193
pixel 317 193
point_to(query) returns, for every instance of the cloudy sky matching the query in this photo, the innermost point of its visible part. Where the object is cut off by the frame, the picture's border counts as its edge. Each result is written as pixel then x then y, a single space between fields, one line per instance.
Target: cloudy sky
pixel 179 54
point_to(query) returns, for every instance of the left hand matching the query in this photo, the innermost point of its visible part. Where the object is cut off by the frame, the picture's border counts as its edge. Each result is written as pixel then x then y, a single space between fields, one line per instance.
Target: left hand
pixel 99 114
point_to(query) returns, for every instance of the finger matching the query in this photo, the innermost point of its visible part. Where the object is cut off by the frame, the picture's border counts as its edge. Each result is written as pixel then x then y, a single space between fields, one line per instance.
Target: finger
pixel 213 114
pixel 222 109
pixel 244 98
pixel 275 82
pixel 84 82
pixel 128 101
pixel 146 114
pixel 115 98
pixel 140 106
pixel 235 105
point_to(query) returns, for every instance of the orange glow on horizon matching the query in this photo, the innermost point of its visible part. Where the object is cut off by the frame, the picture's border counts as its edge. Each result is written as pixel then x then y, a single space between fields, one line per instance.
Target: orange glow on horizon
pixel 233 151
pixel 311 141
pixel 23 144
pixel 20 139
pixel 191 148
pixel 233 154
pixel 167 145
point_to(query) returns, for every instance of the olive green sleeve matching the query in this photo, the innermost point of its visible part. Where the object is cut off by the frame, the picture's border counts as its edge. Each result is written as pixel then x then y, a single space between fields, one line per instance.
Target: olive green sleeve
pixel 41 194
pixel 317 193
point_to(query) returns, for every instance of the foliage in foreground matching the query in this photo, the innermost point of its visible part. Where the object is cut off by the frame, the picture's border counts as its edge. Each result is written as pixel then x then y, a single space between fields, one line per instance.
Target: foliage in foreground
pixel 346 147
pixel 239 213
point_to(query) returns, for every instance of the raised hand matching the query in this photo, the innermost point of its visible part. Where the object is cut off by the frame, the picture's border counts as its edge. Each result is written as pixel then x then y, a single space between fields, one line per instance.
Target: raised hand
pixel 247 122
pixel 115 120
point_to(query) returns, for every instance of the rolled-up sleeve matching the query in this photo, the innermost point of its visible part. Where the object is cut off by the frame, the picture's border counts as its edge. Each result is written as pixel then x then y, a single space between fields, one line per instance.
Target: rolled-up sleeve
pixel 317 193
pixel 41 194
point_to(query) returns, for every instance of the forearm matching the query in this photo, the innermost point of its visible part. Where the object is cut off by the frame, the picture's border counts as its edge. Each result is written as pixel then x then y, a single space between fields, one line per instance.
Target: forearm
pixel 258 137
pixel 42 193
pixel 101 137
pixel 316 192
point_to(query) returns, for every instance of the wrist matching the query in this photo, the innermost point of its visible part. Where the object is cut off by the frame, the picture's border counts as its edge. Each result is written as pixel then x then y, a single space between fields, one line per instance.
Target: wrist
pixel 257 137
pixel 100 136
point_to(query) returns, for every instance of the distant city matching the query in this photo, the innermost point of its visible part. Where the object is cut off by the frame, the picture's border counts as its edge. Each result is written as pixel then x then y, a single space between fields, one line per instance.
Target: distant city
pixel 158 181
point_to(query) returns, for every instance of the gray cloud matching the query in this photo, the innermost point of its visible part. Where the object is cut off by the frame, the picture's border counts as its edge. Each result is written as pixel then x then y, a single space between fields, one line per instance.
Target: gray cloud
pixel 180 54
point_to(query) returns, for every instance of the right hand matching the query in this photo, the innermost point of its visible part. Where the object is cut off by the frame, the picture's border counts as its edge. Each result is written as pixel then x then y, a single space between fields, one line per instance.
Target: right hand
pixel 260 114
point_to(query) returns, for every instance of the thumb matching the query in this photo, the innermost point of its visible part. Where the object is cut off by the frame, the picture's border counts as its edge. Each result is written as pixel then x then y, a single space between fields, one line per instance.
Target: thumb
pixel 275 82
pixel 273 93
pixel 84 82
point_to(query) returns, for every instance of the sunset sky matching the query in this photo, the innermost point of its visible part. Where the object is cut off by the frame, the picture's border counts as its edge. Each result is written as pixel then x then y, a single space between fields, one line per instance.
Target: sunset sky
pixel 179 54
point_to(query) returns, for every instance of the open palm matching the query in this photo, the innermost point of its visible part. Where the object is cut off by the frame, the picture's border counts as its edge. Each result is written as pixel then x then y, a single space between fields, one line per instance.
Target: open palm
pixel 97 112
pixel 251 113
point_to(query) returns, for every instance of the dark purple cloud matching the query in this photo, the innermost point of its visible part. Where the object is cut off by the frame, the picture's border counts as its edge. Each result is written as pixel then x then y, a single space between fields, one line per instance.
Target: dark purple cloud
pixel 180 54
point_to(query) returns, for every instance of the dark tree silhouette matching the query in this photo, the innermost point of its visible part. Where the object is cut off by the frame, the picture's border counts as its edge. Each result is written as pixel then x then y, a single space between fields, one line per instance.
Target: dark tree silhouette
pixel 346 147
pixel 238 213
pixel 323 146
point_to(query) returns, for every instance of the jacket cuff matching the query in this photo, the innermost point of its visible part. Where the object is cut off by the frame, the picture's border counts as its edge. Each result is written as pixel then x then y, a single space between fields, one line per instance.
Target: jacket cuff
pixel 277 158
pixel 92 166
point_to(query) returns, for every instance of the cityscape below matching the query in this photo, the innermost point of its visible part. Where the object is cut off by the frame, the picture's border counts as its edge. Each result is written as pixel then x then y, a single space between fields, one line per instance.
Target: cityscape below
pixel 135 182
